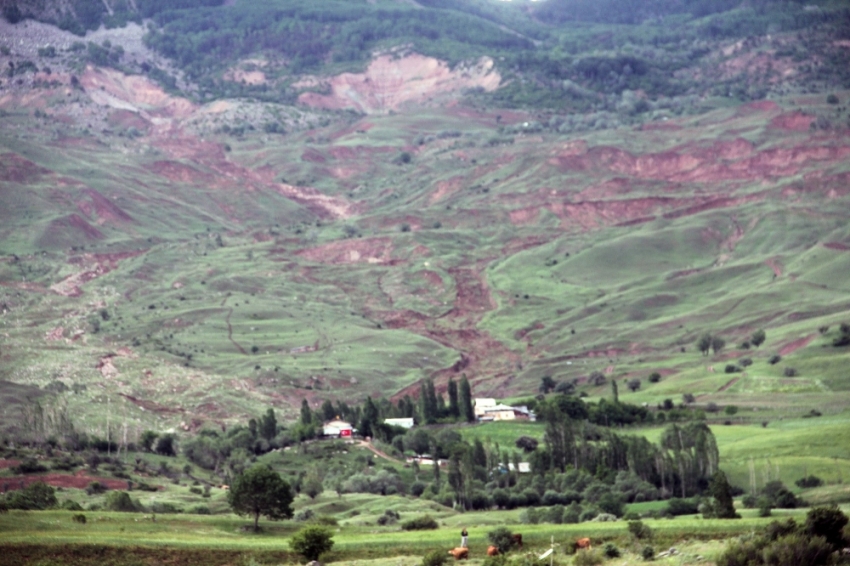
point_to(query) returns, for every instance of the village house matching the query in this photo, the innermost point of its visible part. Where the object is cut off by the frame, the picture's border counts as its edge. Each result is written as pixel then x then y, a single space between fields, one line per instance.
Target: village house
pixel 338 429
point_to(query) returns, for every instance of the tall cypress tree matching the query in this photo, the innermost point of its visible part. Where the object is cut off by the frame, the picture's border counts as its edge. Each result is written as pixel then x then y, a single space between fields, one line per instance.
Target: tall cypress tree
pixel 466 411
pixel 454 410
pixel 433 407
pixel 306 413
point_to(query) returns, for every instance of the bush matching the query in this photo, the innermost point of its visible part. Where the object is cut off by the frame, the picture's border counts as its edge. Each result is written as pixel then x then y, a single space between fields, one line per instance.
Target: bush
pixel 745 362
pixel 29 466
pixel 426 522
pixel 37 496
pixel 501 538
pixel 790 372
pixel 311 542
pixel 774 359
pixel 732 368
pixel 435 558
pixel 588 558
pixel 749 501
pixel 119 501
pixel 69 505
pixel 95 487
pixel 610 550
pixel 795 550
pixel 200 510
pixel 678 506
pixel 304 515
pixel 417 488
pixel 832 99
pixel 79 518
pixel 639 530
pixel 654 377
pixel 648 553
pixel 809 481
pixel 826 522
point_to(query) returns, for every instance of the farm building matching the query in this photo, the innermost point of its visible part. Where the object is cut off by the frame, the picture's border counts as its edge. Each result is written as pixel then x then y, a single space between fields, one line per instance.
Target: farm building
pixel 338 428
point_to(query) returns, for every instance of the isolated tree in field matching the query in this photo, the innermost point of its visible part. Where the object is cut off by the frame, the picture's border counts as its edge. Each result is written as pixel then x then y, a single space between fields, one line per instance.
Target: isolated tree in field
pixel 565 388
pixel 717 343
pixel 547 384
pixel 704 343
pixel 312 542
pixel 615 393
pixel 757 338
pixel 312 485
pixel 634 384
pixel 722 506
pixel 261 491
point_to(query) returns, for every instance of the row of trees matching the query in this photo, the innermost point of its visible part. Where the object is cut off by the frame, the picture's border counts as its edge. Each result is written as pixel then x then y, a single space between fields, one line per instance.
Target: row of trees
pixel 707 342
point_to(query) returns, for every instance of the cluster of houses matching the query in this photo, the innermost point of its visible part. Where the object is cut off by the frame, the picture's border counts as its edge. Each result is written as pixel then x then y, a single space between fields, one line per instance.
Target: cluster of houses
pixel 486 410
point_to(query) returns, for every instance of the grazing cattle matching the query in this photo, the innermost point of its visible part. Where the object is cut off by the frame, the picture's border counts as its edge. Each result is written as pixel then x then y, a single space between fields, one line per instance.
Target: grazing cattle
pixel 460 553
pixel 516 540
pixel 583 543
pixel 492 551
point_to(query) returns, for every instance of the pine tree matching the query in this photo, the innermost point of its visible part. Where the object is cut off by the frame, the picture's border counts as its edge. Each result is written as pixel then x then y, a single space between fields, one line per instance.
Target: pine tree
pixel 722 507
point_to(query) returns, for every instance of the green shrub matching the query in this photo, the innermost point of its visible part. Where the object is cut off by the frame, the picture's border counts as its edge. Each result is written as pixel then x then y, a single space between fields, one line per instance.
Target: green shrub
pixel 647 553
pixel 200 510
pixel 327 521
pixel 426 522
pixel 809 481
pixel 35 497
pixel 501 538
pixel 610 550
pixel 639 530
pixel 827 522
pixel 588 558
pixel 677 506
pixel 119 501
pixel 79 518
pixel 311 542
pixel 796 550
pixel 95 487
pixel 69 505
pixel 435 558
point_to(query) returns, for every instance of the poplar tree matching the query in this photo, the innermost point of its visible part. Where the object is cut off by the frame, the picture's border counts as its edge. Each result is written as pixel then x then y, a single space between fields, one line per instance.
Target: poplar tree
pixel 466 411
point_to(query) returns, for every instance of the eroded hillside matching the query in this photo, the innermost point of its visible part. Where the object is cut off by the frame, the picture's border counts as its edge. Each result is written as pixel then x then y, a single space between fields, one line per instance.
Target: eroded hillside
pixel 193 259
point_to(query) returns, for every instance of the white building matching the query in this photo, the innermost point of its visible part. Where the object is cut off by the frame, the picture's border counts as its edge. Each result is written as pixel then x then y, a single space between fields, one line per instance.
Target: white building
pixel 339 429
pixel 402 422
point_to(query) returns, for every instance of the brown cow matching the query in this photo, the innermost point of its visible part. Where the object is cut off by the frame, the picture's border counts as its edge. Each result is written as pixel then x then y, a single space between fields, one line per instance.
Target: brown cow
pixel 516 540
pixel 460 553
pixel 583 543
pixel 492 551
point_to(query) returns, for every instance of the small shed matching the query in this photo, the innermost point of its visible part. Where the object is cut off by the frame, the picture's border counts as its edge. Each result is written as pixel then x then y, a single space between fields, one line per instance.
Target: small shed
pixel 338 429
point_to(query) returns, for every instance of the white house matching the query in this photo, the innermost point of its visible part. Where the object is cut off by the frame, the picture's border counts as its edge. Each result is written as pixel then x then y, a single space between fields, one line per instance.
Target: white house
pixel 481 405
pixel 338 428
pixel 402 422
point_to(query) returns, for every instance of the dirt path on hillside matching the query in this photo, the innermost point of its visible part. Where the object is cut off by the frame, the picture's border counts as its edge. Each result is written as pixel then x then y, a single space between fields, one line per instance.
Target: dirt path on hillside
pixel 379 453
pixel 792 347
pixel 230 328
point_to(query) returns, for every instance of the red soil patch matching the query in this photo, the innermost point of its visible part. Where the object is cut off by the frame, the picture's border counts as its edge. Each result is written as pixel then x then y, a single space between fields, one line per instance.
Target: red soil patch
pixel 373 250
pixel 795 345
pixel 9 464
pixel 16 169
pixel 837 246
pixel 733 160
pixel 793 121
pixel 103 208
pixel 94 266
pixel 757 106
pixel 389 83
pixel 80 480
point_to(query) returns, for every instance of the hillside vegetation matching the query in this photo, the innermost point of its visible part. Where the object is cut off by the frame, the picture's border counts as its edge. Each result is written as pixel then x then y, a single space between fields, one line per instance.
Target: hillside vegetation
pixel 241 205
